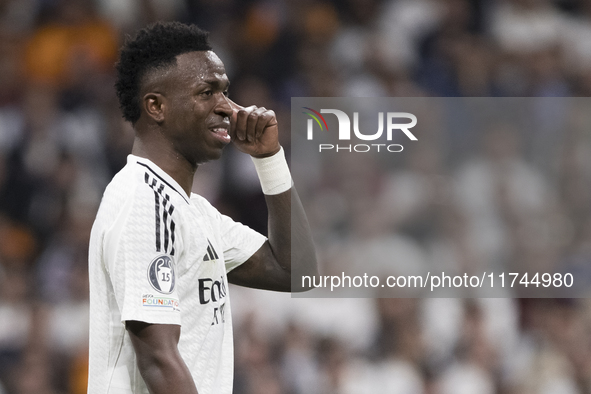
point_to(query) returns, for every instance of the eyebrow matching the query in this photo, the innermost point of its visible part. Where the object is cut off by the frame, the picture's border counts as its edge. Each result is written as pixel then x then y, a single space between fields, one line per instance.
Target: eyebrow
pixel 217 82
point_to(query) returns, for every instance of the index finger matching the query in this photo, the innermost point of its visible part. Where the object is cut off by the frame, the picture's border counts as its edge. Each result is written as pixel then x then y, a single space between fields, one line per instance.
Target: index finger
pixel 234 116
pixel 235 106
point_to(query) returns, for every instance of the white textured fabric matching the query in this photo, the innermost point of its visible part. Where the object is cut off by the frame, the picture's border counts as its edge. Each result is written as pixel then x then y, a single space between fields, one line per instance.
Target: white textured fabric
pixel 158 256
pixel 273 173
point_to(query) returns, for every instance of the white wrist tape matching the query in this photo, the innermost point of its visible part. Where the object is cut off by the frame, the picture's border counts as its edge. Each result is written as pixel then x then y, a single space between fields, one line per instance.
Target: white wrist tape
pixel 273 173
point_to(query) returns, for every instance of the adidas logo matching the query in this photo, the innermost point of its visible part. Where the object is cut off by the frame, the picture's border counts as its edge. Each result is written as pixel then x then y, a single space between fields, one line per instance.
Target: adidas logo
pixel 211 254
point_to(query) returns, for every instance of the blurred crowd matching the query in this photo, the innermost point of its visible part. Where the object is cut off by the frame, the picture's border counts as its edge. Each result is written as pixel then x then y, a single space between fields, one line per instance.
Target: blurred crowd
pixel 521 197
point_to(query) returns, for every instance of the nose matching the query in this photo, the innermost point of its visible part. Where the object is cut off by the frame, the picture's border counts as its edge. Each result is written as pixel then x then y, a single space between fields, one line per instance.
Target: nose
pixel 223 106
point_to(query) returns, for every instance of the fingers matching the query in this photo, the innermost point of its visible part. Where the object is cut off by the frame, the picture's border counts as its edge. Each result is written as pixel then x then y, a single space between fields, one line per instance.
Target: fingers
pixel 248 124
pixel 257 121
pixel 234 106
pixel 233 117
pixel 241 123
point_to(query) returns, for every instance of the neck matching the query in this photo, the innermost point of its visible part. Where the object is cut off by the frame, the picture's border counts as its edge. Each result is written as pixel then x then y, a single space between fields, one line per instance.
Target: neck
pixel 164 156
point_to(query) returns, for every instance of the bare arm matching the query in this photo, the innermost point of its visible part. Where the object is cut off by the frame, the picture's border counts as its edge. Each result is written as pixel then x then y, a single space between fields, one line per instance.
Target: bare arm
pixel 254 131
pixel 158 358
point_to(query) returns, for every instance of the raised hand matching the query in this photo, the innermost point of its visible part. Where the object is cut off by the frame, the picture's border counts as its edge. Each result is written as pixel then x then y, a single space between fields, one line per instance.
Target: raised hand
pixel 254 130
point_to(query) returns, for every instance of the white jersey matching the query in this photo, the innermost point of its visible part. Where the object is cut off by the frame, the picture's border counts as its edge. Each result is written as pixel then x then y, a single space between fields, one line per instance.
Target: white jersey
pixel 159 256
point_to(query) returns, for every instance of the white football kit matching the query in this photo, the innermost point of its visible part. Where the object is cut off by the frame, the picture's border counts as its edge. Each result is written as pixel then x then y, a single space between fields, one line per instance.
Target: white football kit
pixel 159 256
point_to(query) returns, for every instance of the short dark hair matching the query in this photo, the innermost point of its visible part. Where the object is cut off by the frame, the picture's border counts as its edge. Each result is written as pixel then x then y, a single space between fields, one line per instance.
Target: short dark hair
pixel 153 47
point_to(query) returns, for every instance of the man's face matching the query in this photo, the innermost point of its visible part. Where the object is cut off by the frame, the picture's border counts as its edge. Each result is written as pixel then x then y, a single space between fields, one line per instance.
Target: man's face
pixel 197 111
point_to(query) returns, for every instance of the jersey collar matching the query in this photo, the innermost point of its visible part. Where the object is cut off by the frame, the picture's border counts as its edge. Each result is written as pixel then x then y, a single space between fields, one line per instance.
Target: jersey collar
pixel 160 173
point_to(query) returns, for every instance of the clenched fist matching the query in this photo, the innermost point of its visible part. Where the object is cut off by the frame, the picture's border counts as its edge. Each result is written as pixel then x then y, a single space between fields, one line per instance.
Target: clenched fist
pixel 254 130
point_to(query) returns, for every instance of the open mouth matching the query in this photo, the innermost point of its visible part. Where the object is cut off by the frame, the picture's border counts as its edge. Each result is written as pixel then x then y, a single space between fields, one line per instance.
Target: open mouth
pixel 222 134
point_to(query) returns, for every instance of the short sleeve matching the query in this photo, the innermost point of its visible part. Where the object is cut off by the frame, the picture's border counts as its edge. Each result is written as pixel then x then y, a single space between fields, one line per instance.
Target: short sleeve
pixel 141 270
pixel 239 242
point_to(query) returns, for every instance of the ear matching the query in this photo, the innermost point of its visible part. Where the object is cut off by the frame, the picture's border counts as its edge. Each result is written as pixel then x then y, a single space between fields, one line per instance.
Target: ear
pixel 154 104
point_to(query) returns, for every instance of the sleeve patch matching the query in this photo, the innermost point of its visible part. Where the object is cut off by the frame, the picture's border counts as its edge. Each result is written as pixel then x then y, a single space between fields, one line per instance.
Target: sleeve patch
pixel 156 302
pixel 161 274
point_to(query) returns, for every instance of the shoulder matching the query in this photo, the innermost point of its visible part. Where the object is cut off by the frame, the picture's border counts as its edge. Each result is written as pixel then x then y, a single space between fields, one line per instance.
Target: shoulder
pixel 149 183
pixel 132 182
pixel 203 205
pixel 140 189
pixel 207 212
pixel 200 200
pixel 140 205
pixel 121 188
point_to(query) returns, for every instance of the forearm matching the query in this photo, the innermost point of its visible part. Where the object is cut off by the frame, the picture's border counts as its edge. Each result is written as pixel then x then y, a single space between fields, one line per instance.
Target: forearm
pixel 163 369
pixel 279 227
pixel 288 230
pixel 290 253
pixel 289 234
pixel 166 376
